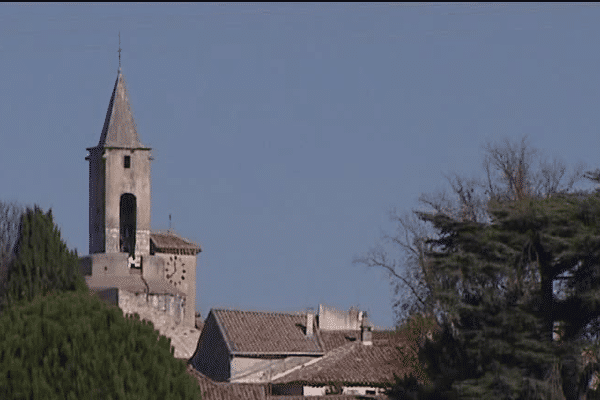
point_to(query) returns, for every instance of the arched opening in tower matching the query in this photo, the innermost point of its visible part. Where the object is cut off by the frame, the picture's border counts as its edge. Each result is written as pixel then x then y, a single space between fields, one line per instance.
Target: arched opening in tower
pixel 127 224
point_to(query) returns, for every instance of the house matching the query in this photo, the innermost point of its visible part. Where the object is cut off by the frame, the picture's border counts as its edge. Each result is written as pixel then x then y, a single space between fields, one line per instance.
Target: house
pixel 212 390
pixel 251 346
pixel 299 354
pixel 356 368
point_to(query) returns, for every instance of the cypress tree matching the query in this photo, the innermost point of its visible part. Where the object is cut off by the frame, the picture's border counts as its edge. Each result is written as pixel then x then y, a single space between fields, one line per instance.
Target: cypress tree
pixel 42 261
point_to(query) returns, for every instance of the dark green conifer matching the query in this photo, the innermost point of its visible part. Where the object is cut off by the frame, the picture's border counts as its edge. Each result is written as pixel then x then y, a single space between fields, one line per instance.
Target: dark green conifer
pixel 496 284
pixel 72 345
pixel 42 261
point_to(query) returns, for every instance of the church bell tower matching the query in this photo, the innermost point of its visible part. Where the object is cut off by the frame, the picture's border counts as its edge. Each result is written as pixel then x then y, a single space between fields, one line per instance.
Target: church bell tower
pixel 151 273
pixel 119 183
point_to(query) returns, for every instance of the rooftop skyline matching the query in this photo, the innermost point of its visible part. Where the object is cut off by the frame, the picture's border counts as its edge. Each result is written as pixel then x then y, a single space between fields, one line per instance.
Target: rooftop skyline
pixel 282 134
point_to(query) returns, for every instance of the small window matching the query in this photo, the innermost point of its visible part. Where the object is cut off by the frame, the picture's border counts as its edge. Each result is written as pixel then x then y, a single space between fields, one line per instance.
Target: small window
pixel 127 161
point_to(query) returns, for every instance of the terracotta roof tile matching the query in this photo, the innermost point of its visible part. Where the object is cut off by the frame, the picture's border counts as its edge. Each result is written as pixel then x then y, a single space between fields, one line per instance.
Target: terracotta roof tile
pixel 248 332
pixel 334 339
pixel 212 390
pixel 353 363
pixel 169 240
pixel 328 397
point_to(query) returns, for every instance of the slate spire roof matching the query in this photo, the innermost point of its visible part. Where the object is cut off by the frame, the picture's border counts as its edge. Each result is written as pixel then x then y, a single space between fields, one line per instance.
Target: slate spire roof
pixel 119 129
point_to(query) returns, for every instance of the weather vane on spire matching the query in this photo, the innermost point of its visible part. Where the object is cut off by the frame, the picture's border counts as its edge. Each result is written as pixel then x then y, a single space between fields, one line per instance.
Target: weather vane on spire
pixel 119 50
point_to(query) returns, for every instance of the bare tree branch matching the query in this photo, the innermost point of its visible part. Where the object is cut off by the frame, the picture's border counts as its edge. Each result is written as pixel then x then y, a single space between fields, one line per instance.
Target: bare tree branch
pixel 10 218
pixel 407 270
pixel 512 171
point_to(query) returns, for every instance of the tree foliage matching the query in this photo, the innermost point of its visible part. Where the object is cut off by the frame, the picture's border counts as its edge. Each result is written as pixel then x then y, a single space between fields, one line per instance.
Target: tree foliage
pixel 71 345
pixel 510 331
pixel 41 261
pixel 510 266
pixel 511 170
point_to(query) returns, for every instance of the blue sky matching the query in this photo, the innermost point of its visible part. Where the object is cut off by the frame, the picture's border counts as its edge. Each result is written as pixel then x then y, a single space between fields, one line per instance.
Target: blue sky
pixel 284 133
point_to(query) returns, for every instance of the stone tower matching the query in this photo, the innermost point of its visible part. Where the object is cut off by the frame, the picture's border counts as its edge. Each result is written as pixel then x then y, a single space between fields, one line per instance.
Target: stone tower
pixel 119 199
pixel 129 265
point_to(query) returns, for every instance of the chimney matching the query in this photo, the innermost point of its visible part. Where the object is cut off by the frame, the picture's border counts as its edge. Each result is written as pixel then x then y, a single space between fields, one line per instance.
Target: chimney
pixel 310 317
pixel 366 336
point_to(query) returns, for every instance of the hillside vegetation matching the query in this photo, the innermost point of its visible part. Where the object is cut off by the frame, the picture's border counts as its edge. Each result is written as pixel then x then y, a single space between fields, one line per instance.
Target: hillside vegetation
pixel 57 341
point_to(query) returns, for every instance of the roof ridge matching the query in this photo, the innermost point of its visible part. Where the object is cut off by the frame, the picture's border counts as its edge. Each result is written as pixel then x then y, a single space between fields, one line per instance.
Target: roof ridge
pixel 292 313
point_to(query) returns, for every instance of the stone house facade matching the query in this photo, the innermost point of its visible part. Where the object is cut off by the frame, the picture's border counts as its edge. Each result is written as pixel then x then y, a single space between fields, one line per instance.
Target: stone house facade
pixel 249 347
pixel 298 354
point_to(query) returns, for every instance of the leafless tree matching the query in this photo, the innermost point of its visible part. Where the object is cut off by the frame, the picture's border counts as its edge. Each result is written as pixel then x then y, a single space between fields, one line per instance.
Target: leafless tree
pixel 467 200
pixel 402 256
pixel 515 171
pixel 10 217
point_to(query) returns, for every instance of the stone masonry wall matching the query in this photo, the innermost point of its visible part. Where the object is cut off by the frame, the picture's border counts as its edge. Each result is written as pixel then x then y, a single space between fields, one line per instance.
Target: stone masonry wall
pixel 164 310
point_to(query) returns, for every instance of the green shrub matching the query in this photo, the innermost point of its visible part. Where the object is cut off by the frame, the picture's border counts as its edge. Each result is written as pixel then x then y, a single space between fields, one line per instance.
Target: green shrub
pixel 71 345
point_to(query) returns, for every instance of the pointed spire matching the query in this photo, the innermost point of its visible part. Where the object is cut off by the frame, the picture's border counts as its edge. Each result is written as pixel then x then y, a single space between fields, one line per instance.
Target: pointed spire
pixel 119 130
pixel 119 127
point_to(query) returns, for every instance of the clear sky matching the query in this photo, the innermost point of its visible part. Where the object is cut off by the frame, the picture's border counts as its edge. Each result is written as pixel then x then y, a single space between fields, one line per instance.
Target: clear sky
pixel 284 133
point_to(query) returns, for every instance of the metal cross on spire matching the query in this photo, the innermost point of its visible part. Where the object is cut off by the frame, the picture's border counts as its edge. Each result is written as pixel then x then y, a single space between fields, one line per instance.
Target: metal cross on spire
pixel 119 50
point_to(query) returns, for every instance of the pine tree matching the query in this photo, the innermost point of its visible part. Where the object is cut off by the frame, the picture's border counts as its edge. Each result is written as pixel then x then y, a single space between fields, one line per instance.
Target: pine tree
pixel 497 287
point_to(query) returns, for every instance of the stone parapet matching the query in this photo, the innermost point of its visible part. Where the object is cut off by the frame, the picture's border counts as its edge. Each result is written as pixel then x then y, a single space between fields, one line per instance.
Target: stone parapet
pixel 105 264
pixel 164 310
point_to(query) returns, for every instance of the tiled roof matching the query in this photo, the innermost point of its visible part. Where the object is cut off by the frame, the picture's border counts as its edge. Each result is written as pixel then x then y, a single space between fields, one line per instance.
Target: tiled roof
pixel 212 390
pixel 119 126
pixel 169 240
pixel 353 363
pixel 334 339
pixel 328 397
pixel 250 332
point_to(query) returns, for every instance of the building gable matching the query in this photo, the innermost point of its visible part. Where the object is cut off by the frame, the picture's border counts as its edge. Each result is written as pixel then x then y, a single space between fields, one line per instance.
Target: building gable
pixel 212 355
